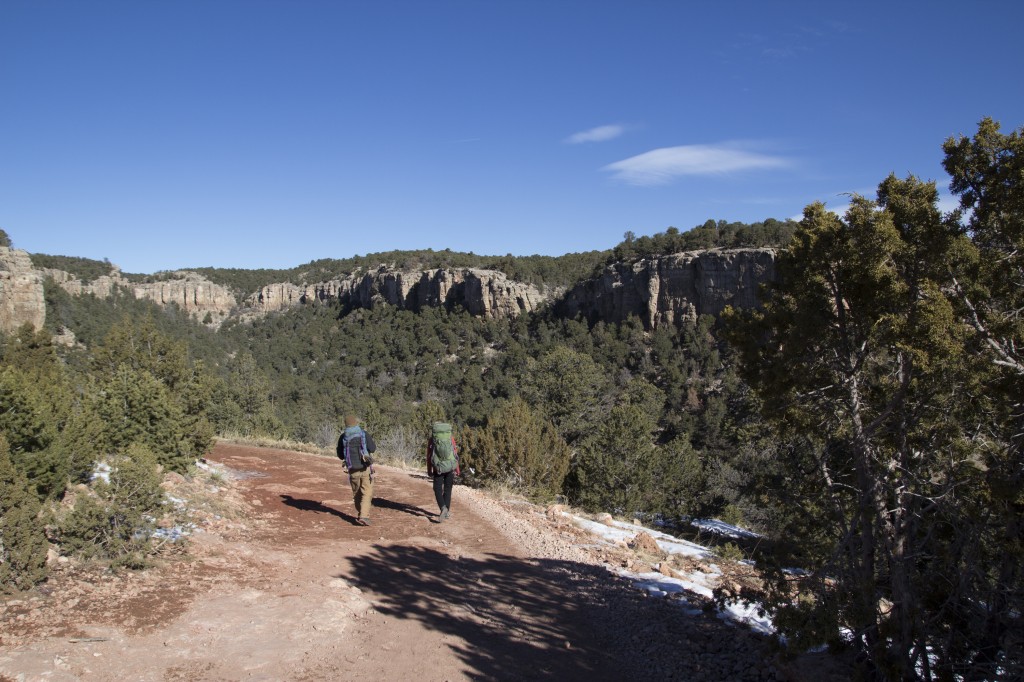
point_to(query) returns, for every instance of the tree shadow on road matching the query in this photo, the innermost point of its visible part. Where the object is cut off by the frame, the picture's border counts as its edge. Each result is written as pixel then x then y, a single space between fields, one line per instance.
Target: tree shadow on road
pixel 509 618
pixel 318 507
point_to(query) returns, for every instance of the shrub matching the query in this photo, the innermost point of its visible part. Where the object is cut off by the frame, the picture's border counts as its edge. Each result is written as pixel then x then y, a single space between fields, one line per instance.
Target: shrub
pixel 113 520
pixel 518 449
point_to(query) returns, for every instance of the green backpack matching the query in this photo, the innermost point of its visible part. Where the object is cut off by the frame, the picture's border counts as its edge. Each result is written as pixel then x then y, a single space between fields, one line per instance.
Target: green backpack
pixel 443 457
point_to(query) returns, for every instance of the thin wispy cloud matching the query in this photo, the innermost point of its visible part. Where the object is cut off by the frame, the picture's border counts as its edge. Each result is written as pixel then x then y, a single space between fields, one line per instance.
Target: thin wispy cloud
pixel 598 134
pixel 662 166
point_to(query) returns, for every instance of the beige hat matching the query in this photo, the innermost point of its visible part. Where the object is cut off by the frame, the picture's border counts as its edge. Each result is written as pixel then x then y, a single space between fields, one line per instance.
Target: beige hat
pixel 351 420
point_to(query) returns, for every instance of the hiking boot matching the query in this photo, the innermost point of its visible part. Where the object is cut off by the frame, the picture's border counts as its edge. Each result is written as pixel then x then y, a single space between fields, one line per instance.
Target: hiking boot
pixel 443 515
pixel 364 521
pixel 446 512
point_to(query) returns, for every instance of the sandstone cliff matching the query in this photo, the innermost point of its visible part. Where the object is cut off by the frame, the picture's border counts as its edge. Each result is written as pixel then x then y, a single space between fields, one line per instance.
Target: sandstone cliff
pixel 21 291
pixel 670 289
pixel 193 293
pixel 487 293
pixel 663 290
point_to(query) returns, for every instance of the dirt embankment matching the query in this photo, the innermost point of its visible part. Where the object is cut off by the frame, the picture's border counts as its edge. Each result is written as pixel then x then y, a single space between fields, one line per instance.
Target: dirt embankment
pixel 288 587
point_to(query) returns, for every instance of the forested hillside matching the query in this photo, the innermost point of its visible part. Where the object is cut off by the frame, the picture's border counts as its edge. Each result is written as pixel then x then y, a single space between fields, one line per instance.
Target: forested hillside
pixel 866 420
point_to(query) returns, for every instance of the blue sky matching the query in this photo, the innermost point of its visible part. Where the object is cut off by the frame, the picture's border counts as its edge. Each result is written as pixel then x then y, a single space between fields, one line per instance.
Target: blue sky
pixel 268 133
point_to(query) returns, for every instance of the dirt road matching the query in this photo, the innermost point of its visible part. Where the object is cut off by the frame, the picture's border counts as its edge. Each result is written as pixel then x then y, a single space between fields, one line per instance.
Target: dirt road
pixel 295 590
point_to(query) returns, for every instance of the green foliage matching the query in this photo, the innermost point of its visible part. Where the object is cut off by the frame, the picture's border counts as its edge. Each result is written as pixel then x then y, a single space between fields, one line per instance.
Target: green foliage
pixel 570 388
pixel 85 269
pixel 551 271
pixel 23 543
pixel 858 310
pixel 152 394
pixel 114 520
pixel 40 413
pixel 879 433
pixel 987 172
pixel 5 239
pixel 25 418
pixel 139 346
pixel 250 391
pixel 136 408
pixel 615 466
pixel 729 551
pixel 710 235
pixel 518 449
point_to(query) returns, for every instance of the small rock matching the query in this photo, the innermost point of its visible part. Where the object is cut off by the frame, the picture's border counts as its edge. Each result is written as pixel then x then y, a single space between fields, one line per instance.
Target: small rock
pixel 644 542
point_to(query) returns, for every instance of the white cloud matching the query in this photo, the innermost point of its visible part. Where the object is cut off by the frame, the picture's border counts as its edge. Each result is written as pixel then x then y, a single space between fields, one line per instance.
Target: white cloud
pixel 660 166
pixel 598 134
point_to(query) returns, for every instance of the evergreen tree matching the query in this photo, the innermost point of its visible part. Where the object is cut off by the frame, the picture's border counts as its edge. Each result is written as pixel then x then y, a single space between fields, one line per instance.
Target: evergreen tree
pixel 570 388
pixel 614 469
pixel 987 174
pixel 520 449
pixel 251 392
pixel 136 408
pixel 861 365
pixel 115 519
pixel 23 543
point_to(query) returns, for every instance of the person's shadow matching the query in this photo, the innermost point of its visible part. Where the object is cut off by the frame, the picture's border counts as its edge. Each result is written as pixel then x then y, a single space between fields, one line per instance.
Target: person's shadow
pixel 311 506
pixel 400 506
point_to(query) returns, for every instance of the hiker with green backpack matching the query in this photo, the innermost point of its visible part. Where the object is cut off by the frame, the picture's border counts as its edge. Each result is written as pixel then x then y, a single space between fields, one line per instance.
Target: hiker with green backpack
pixel 443 466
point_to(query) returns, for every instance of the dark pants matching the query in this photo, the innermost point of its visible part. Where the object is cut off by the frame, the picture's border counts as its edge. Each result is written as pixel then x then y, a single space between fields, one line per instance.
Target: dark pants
pixel 443 489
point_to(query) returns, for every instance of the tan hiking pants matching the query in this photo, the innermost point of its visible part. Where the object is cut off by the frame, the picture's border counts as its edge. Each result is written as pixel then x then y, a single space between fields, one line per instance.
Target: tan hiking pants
pixel 362 492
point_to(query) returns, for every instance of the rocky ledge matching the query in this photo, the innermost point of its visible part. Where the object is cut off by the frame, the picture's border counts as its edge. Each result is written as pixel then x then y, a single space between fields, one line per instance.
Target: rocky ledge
pixel 673 288
pixel 487 293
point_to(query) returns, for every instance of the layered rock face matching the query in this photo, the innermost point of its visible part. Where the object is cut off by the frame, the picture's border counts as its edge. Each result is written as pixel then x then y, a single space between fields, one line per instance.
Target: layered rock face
pixel 671 289
pixel 486 293
pixel 21 291
pixel 193 293
pixel 664 290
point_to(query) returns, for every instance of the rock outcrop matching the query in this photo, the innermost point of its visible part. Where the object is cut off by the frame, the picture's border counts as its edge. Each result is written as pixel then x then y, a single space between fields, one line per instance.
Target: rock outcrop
pixel 21 291
pixel 486 293
pixel 674 288
pixel 193 293
pixel 663 290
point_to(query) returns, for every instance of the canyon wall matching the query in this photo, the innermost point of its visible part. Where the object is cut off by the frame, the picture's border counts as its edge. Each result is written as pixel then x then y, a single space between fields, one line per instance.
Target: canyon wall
pixel 193 293
pixel 21 291
pixel 673 288
pixel 661 290
pixel 487 293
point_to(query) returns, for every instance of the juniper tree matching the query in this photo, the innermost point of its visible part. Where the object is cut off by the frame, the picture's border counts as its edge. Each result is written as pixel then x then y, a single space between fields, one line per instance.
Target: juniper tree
pixel 860 363
pixel 987 172
pixel 115 518
pixel 570 388
pixel 23 543
pixel 614 468
pixel 520 449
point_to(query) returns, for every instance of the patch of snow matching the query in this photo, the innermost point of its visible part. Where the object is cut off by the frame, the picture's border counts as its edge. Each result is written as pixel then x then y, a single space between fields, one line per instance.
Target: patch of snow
pixel 102 471
pixel 621 532
pixel 749 615
pixel 696 582
pixel 726 529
